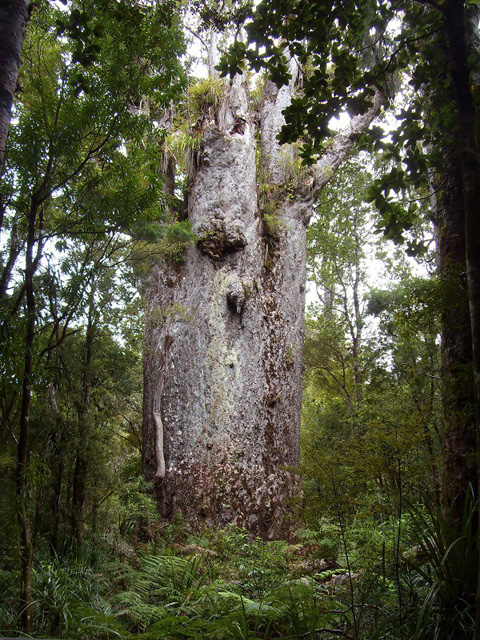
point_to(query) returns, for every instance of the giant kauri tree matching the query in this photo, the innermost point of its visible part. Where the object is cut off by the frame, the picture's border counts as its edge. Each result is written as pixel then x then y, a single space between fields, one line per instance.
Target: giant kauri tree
pixel 225 328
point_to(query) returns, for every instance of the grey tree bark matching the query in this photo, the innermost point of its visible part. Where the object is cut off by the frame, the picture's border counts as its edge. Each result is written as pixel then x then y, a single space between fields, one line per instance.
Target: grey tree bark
pixel 224 338
pixel 13 21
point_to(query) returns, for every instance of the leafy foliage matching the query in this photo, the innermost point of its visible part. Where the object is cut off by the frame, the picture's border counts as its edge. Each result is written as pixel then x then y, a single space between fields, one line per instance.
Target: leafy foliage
pixel 347 51
pixel 205 95
pixel 80 172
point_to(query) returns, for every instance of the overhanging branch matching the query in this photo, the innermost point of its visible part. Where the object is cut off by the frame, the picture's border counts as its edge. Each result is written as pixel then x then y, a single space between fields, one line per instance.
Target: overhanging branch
pixel 342 144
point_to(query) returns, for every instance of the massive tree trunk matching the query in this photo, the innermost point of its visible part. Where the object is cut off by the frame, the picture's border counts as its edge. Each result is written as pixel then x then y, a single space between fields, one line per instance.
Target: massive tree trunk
pixel 223 356
pixel 224 339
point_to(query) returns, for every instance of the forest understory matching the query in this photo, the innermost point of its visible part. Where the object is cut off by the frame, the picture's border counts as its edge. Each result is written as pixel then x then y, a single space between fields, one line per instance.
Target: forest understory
pixel 338 579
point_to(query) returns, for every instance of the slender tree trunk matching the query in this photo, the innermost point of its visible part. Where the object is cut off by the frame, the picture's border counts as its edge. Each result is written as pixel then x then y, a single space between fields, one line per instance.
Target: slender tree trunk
pixel 26 549
pixel 13 21
pixel 467 127
pixel 458 437
pixel 357 324
pixel 57 466
pixel 212 54
pixel 462 35
pixel 15 247
pixel 468 147
pixel 449 204
pixel 78 499
pixel 81 461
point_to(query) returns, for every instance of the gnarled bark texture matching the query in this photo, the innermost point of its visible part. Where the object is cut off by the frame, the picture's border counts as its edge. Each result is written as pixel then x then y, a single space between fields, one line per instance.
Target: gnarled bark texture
pixel 222 407
pixel 232 316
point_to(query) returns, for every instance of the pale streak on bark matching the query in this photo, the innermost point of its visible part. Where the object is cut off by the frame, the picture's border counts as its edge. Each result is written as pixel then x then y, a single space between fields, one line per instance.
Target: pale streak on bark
pixel 212 53
pixel 343 143
pixel 157 413
pixel 160 472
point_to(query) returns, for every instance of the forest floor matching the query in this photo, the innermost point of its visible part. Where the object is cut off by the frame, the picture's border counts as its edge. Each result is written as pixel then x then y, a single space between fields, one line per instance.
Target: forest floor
pixel 225 584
